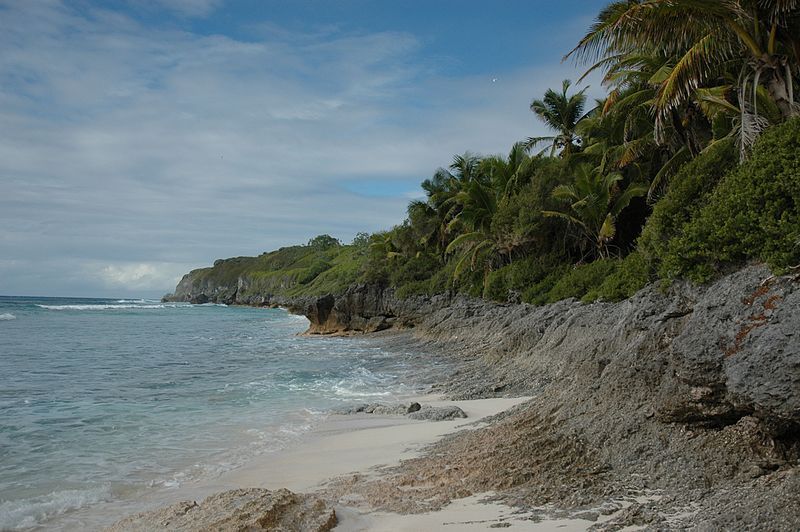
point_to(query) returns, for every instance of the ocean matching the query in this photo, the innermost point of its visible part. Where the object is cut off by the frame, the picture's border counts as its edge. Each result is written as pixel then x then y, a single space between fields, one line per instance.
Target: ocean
pixel 103 401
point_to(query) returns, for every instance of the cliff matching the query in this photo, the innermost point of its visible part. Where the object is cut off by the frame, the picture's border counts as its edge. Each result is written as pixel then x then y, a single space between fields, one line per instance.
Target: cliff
pixel 289 272
pixel 692 393
pixel 687 399
pixel 706 355
pixel 695 354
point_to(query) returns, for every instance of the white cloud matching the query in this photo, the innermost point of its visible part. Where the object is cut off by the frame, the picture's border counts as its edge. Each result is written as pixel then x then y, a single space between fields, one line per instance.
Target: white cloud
pixel 139 276
pixel 135 148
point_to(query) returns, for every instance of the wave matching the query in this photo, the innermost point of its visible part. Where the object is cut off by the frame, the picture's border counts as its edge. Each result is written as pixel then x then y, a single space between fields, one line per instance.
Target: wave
pixel 109 306
pixel 7 316
pixel 343 391
pixel 33 511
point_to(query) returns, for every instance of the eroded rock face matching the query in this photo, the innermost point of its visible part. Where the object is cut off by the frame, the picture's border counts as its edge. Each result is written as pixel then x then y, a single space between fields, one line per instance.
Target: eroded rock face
pixel 696 354
pixel 243 509
pixel 438 413
pixel 413 411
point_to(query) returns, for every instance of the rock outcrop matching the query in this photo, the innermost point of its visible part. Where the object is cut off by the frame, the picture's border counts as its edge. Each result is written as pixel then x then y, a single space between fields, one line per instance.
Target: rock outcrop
pixel 694 354
pixel 413 411
pixel 693 391
pixel 243 509
pixel 692 394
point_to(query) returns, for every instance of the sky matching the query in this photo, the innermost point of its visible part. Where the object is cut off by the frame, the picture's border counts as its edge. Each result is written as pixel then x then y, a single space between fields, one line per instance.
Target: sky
pixel 140 139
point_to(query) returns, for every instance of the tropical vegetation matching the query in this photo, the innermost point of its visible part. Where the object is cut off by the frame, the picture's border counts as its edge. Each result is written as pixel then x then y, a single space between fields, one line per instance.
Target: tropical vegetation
pixel 689 166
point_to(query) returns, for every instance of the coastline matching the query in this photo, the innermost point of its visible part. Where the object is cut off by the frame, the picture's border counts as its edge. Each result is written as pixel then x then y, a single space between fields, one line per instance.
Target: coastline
pixel 641 415
pixel 362 445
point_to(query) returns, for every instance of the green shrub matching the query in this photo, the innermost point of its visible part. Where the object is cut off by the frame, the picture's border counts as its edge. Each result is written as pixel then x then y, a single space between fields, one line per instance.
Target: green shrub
pixel 442 280
pixel 630 276
pixel 688 191
pixel 537 293
pixel 578 281
pixel 496 285
pixel 417 268
pixel 754 213
pixel 316 268
pixel 520 276
pixel 414 288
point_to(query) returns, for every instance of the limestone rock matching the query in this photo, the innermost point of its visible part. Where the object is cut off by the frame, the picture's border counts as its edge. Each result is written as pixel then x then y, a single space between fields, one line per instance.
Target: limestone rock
pixel 438 413
pixel 243 509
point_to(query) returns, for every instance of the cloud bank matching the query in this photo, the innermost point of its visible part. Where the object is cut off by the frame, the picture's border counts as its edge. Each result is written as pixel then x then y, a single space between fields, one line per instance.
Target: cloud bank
pixel 130 154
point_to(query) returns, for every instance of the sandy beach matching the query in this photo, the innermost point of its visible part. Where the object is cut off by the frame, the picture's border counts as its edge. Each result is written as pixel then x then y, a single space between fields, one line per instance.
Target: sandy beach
pixel 362 444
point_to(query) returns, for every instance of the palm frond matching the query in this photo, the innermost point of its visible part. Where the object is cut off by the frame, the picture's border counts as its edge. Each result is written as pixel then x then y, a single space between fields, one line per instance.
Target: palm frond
pixel 667 170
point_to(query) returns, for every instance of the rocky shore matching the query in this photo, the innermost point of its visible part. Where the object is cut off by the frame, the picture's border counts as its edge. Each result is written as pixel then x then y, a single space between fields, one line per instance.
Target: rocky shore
pixel 670 410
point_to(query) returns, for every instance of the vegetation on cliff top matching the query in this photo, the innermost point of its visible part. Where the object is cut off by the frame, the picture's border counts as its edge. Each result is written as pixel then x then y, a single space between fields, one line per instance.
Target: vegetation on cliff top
pixel 688 167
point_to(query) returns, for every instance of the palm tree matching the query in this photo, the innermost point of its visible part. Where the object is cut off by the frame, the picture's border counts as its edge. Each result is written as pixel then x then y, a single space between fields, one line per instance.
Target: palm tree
pixel 443 188
pixel 705 39
pixel 593 203
pixel 624 131
pixel 508 174
pixel 478 207
pixel 561 113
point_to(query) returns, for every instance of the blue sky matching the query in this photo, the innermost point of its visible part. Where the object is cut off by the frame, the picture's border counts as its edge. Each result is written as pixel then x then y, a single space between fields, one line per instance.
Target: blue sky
pixel 143 138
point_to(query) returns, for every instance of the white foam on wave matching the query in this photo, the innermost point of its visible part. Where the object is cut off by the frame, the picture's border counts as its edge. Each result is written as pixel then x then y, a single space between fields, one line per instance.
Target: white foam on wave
pixel 33 511
pixel 344 391
pixel 7 316
pixel 111 306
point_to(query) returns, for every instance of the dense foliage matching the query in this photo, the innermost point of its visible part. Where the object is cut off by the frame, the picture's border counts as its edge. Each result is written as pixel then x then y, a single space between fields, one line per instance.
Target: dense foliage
pixel 663 178
pixel 753 213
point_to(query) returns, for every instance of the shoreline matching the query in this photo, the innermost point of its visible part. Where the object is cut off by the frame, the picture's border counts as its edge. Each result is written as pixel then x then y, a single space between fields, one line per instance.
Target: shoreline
pixel 362 445
pixel 640 414
pixel 366 446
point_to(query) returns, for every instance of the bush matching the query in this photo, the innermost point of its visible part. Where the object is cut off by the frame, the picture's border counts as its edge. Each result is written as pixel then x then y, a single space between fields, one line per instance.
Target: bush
pixel 496 285
pixel 414 288
pixel 578 281
pixel 688 191
pixel 416 268
pixel 631 275
pixel 754 213
pixel 316 268
pixel 520 276
pixel 537 293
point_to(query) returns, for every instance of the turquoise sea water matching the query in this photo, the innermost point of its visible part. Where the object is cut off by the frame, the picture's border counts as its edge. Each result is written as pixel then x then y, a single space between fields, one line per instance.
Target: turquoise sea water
pixel 102 400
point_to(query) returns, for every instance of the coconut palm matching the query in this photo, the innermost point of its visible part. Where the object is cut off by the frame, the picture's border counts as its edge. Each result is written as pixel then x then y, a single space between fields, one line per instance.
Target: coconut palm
pixel 475 243
pixel 705 39
pixel 593 202
pixel 624 131
pixel 444 187
pixel 508 174
pixel 561 113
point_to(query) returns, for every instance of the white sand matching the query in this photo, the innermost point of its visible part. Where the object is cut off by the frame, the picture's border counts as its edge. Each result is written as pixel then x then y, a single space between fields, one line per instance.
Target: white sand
pixel 362 442
pixel 355 443
pixel 464 514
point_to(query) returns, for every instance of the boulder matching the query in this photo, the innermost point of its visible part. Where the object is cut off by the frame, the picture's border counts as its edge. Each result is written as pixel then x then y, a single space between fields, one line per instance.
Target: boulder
pixel 243 509
pixel 438 413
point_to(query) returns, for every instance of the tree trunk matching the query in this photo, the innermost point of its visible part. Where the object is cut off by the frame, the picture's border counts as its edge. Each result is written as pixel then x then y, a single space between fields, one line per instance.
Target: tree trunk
pixel 778 89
